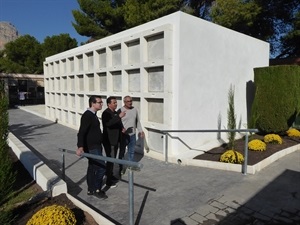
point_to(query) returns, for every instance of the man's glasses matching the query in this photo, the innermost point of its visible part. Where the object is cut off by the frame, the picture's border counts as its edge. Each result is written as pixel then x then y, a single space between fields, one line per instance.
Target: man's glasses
pixel 99 102
pixel 129 101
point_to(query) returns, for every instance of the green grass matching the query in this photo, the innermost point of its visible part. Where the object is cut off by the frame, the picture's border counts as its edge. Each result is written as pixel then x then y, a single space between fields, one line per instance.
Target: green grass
pixel 16 199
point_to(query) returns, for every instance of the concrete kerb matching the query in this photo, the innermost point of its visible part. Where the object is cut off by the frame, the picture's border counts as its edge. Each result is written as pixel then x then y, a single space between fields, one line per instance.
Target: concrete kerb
pixel 46 178
pixel 97 217
pixel 38 170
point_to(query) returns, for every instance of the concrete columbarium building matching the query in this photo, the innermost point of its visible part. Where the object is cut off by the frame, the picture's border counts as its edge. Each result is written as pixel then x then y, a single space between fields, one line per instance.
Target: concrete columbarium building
pixel 178 69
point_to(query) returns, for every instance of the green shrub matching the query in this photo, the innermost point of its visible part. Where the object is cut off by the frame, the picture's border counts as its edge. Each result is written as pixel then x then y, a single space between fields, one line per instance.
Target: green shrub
pixel 54 214
pixel 231 156
pixel 277 98
pixel 7 176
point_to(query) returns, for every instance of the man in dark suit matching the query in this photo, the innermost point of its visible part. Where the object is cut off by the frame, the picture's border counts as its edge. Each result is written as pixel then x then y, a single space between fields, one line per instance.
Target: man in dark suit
pixel 112 128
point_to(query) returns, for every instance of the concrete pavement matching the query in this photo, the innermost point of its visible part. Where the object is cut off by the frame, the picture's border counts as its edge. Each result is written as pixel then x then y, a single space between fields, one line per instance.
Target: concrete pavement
pixel 167 194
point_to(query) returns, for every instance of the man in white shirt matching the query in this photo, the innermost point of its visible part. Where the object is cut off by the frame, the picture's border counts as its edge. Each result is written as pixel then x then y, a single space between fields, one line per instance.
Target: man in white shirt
pixel 22 98
pixel 131 123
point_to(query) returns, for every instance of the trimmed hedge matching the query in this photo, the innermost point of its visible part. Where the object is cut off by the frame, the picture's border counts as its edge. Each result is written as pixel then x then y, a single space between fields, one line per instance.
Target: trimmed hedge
pixel 277 98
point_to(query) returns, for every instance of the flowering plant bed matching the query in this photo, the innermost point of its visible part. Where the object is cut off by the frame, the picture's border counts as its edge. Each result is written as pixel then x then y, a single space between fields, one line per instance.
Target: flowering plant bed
pixel 254 157
pixel 25 210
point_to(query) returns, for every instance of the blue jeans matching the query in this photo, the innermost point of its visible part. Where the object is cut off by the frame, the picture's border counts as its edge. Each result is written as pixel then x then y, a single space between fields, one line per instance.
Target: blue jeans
pixel 131 147
pixel 95 171
pixel 130 142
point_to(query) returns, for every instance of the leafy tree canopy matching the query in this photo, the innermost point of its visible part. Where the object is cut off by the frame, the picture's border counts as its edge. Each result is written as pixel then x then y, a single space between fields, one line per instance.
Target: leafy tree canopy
pixel 267 20
pixel 26 54
pixel 100 18
pixel 291 41
pixel 56 44
pixel 22 56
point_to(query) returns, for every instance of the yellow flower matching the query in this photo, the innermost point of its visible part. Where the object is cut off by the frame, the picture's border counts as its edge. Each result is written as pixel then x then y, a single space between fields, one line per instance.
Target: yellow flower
pixel 54 214
pixel 231 156
pixel 257 145
pixel 293 132
pixel 273 138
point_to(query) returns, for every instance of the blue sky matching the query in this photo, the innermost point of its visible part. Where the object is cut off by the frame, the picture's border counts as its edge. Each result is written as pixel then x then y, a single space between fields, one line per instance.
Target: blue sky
pixel 41 18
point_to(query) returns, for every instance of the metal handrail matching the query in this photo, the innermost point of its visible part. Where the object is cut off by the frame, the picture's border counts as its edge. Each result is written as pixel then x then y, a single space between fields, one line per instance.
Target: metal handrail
pixel 244 168
pixel 131 166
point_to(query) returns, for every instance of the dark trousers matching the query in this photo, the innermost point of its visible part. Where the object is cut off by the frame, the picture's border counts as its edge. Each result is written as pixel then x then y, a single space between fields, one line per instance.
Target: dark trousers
pixel 22 102
pixel 111 151
pixel 95 171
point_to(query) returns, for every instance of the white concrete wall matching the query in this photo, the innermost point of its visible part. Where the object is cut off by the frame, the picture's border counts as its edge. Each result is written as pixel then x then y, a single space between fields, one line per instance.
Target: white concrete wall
pixel 178 68
pixel 217 58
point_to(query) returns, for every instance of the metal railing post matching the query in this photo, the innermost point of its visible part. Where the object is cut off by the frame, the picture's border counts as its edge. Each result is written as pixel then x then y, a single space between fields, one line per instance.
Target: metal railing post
pixel 132 166
pixel 131 200
pixel 246 155
pixel 63 170
pixel 166 147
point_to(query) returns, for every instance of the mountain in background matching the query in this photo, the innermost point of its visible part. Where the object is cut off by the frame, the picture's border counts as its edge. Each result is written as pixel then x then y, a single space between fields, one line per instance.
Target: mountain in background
pixel 7 33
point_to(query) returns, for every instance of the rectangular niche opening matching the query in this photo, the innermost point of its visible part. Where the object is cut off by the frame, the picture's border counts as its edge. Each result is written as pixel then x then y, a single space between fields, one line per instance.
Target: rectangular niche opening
pixel 72 101
pixel 72 83
pixel 64 84
pixel 65 116
pixel 116 55
pixel 56 67
pixel 156 79
pixel 102 57
pixel 73 116
pixel 71 61
pixel 58 99
pixel 58 114
pixel 90 59
pixel 80 82
pixel 117 81
pixel 136 102
pixel 155 44
pixel 65 100
pixel 51 71
pixel 81 102
pixel 155 110
pixel 80 62
pixel 57 81
pixel 133 51
pixel 103 81
pixel 134 80
pixel 52 98
pixel 52 84
pixel 91 82
pixel 63 66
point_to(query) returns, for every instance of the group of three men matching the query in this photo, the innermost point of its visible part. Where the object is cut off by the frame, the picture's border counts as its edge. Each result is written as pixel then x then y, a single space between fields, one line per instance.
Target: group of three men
pixel 119 132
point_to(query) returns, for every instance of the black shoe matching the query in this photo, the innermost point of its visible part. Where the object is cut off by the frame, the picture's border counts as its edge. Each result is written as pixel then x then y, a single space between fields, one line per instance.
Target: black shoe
pixel 100 194
pixel 112 185
pixel 90 193
pixel 114 179
pixel 123 171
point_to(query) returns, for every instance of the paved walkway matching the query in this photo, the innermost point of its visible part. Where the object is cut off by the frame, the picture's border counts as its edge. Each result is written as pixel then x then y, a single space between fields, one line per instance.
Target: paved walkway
pixel 169 194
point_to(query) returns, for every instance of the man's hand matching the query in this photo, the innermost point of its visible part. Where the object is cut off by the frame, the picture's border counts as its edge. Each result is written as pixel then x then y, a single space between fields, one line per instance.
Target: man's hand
pixel 79 151
pixel 122 114
pixel 142 134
